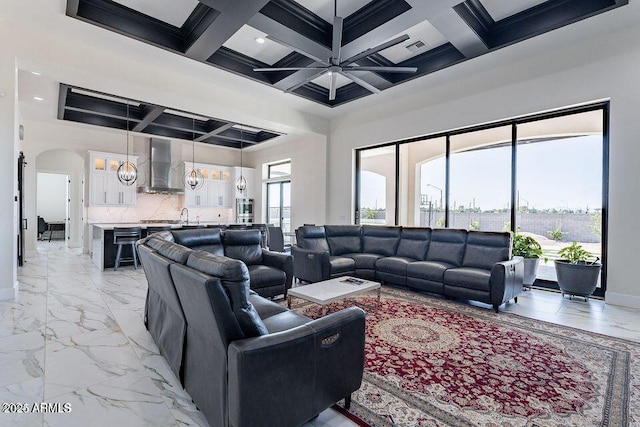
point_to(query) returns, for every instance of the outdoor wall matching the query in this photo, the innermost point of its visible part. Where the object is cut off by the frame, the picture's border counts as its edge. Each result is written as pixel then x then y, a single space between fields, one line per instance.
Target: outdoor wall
pixel 484 90
pixel 308 178
pixel 51 201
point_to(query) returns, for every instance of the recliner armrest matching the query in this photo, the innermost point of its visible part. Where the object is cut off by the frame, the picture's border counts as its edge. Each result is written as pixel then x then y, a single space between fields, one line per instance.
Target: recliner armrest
pixel 290 376
pixel 507 279
pixel 310 265
pixel 282 262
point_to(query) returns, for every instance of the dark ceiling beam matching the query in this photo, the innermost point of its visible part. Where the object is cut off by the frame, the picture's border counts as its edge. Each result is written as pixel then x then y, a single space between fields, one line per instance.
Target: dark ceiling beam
pixel 214 132
pixel 459 33
pixel 62 99
pixel 98 106
pixel 293 15
pixel 370 16
pixel 420 11
pixel 150 113
pixel 288 35
pixel 91 119
pixel 233 15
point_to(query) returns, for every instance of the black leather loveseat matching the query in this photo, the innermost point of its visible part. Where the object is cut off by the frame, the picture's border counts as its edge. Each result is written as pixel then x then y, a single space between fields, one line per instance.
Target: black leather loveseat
pixel 473 265
pixel 271 273
pixel 243 359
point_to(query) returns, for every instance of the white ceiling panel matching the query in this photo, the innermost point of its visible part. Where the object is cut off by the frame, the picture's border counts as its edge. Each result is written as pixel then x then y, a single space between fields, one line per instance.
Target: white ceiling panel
pixel 244 41
pixel 173 12
pixel 325 8
pixel 500 9
pixel 424 32
pixel 325 81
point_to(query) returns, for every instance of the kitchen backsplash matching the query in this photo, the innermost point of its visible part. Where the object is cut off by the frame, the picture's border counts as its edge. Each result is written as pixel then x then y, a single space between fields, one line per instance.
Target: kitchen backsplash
pixel 157 207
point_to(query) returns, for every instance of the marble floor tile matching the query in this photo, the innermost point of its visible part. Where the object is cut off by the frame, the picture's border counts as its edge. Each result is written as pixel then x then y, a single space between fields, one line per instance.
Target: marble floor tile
pixel 26 393
pixel 21 358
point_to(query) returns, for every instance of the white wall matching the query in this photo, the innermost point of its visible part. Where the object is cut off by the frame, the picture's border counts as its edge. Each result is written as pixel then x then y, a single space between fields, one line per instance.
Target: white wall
pixel 308 178
pixel 51 196
pixel 567 74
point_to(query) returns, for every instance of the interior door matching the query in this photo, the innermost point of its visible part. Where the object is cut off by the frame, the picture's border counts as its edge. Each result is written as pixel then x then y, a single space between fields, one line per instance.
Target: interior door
pixel 22 220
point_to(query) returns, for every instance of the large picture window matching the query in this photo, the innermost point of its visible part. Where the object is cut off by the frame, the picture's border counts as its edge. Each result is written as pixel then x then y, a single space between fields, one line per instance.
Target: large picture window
pixel 543 176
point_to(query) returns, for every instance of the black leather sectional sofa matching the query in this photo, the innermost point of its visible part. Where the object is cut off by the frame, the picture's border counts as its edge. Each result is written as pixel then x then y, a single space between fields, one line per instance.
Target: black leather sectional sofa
pixel 271 273
pixel 243 359
pixel 472 265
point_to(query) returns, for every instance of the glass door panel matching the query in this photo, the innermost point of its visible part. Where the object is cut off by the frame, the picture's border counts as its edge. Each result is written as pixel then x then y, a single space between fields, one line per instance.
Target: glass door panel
pixel 376 203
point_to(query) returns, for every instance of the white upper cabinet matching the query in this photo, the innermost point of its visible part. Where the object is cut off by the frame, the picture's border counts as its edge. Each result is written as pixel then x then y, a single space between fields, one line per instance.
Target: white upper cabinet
pixel 104 187
pixel 216 190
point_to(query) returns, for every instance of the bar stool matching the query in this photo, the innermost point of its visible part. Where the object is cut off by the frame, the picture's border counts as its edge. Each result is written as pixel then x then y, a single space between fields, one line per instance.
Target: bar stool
pixel 126 236
pixel 151 230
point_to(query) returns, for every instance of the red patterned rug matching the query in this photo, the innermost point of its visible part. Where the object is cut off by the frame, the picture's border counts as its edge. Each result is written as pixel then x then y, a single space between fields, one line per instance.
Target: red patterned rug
pixel 432 362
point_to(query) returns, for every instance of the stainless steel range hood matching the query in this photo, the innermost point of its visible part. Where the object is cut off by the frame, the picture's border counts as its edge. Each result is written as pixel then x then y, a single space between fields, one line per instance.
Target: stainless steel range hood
pixel 164 176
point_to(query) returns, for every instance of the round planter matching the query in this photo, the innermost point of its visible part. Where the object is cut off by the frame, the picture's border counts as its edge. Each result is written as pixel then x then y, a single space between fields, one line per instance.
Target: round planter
pixel 530 270
pixel 577 279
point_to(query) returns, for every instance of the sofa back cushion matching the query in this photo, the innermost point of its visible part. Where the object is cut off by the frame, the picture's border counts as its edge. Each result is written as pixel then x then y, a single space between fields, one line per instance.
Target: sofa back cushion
pixel 244 245
pixel 234 277
pixel 414 243
pixel 312 237
pixel 380 240
pixel 447 245
pixel 204 239
pixel 486 248
pixel 343 239
pixel 172 251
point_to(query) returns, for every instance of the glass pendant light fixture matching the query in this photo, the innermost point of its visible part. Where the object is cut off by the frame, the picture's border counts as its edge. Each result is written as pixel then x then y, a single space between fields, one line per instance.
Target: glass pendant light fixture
pixel 241 182
pixel 127 171
pixel 193 177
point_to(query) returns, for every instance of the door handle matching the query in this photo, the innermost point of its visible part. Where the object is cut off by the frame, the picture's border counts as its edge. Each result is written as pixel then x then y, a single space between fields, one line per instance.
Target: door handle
pixel 105 197
pixel 24 226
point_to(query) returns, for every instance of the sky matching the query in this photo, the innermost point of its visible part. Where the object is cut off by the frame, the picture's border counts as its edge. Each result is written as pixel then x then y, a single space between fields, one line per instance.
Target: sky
pixel 560 174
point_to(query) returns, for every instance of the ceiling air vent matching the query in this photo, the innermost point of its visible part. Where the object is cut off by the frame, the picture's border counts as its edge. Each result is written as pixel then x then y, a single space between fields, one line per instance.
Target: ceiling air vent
pixel 416 46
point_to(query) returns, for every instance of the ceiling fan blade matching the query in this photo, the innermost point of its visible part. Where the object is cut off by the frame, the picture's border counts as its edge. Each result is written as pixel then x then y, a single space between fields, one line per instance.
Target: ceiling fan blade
pixel 332 87
pixel 359 81
pixel 337 40
pixel 376 49
pixel 305 81
pixel 300 51
pixel 289 69
pixel 383 69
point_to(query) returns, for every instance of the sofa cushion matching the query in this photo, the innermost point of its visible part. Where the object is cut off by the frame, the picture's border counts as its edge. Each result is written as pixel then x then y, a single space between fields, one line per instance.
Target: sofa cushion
pixel 265 307
pixel 486 248
pixel 312 238
pixel 244 245
pixel 394 265
pixel 172 251
pixel 343 239
pixel 414 243
pixel 204 239
pixel 470 278
pixel 262 276
pixel 341 264
pixel 428 270
pixel 285 321
pixel 380 240
pixel 364 261
pixel 447 245
pixel 234 277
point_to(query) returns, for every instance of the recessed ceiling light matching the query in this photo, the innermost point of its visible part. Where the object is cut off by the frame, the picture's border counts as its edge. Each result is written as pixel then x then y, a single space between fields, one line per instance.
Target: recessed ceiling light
pixel 260 40
pixel 36 73
pixel 37 98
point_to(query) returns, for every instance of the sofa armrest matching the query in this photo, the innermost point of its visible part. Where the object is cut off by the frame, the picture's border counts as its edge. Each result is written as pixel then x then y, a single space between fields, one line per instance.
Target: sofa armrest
pixel 282 262
pixel 310 265
pixel 506 280
pixel 290 376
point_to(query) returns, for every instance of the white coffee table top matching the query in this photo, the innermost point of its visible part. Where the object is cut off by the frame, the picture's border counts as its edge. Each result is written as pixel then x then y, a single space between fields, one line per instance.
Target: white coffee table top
pixel 333 289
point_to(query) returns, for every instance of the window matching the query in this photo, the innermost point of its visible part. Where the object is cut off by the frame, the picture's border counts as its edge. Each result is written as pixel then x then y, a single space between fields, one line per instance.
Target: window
pixel 543 175
pixel 279 198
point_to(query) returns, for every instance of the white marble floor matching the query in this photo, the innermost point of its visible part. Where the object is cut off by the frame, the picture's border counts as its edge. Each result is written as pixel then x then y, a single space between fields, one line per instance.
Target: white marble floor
pixel 75 335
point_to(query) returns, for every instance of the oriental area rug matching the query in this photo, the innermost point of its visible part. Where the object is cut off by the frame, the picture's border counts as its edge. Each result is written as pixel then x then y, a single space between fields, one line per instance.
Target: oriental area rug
pixel 433 362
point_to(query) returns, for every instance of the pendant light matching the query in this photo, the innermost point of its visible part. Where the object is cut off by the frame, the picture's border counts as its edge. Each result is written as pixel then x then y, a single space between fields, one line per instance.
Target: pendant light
pixel 193 177
pixel 241 182
pixel 127 171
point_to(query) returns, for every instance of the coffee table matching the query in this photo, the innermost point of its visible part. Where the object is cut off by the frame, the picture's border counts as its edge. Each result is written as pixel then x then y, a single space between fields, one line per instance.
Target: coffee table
pixel 332 290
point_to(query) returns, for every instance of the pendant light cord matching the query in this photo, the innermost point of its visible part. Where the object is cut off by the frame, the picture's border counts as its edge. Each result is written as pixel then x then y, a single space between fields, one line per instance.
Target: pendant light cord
pixel 127 134
pixel 193 143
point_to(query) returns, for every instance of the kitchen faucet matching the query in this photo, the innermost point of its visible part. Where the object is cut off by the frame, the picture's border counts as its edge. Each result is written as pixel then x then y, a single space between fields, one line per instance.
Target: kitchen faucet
pixel 181 212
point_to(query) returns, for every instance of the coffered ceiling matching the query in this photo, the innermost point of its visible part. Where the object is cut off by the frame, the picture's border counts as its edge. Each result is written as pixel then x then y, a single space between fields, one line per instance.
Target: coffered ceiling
pixel 298 34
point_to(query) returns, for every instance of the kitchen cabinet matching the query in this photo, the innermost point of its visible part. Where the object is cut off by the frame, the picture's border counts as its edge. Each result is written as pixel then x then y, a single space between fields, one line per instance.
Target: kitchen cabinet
pixel 216 190
pixel 104 187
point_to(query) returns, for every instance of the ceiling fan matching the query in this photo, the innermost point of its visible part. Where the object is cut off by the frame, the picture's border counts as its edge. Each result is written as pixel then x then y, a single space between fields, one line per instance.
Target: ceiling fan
pixel 337 65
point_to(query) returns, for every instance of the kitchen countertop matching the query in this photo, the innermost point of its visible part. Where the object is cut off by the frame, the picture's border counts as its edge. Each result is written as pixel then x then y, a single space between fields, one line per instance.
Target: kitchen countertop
pixel 111 226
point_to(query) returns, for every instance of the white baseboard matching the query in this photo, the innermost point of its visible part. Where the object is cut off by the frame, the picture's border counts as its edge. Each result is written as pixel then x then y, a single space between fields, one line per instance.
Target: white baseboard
pixel 623 300
pixel 7 294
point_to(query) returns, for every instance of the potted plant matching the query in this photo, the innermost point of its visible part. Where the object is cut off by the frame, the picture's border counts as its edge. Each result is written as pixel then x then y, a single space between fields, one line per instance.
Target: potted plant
pixel 576 275
pixel 528 248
